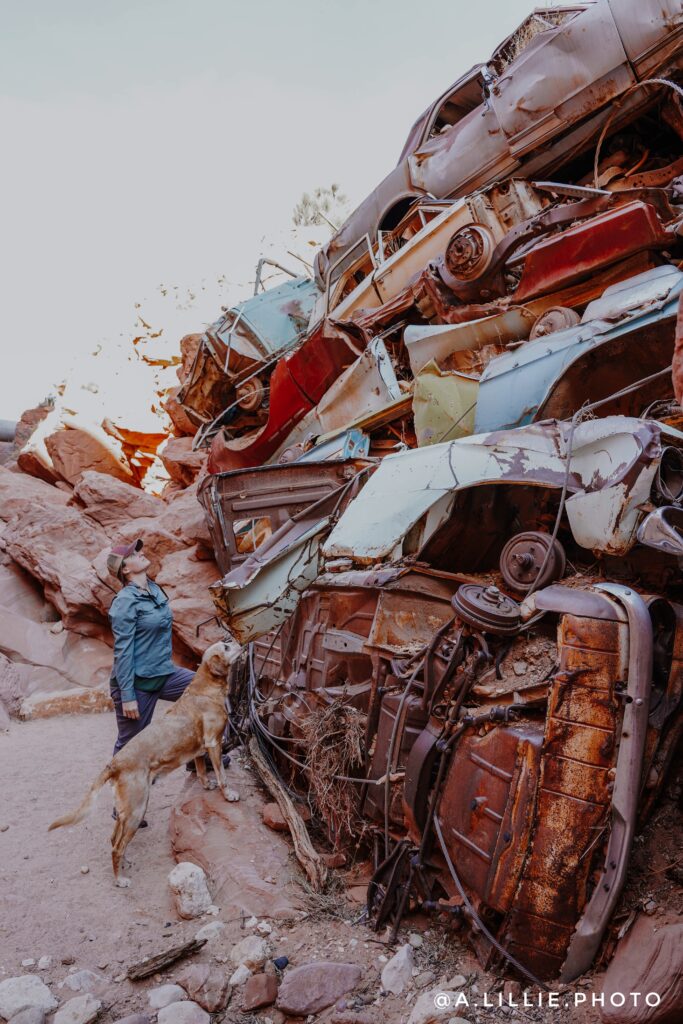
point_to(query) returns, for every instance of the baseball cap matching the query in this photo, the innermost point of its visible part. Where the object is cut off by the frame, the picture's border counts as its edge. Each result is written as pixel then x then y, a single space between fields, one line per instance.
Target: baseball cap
pixel 118 555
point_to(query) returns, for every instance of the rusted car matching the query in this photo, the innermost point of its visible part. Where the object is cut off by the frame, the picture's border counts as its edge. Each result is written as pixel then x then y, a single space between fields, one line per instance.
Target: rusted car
pixel 514 714
pixel 229 378
pixel 533 109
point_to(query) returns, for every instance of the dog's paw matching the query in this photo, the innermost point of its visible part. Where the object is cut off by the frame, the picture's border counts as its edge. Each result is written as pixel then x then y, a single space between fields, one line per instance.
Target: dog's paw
pixel 231 796
pixel 210 784
pixel 122 883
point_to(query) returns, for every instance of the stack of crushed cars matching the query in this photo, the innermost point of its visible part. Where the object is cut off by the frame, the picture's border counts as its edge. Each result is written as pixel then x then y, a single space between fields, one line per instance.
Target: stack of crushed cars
pixel 446 487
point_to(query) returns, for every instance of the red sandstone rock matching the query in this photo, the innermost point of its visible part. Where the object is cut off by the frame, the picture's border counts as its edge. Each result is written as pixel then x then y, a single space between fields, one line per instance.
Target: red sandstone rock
pixel 113 503
pixel 208 986
pixel 183 464
pixel 20 493
pixel 313 987
pixel 74 449
pixel 57 546
pixel 648 959
pixel 184 516
pixel 187 581
pixel 273 818
pixel 245 874
pixel 259 990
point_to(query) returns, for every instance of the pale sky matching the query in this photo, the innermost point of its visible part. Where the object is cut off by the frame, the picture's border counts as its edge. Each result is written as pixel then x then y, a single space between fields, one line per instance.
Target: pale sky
pixel 164 142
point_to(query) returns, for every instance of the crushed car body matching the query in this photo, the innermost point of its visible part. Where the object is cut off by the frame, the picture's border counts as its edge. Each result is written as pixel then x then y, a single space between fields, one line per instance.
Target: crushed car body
pixel 512 701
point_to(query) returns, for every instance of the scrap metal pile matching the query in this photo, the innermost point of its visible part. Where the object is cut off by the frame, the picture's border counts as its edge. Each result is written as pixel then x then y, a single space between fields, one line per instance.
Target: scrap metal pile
pixel 446 492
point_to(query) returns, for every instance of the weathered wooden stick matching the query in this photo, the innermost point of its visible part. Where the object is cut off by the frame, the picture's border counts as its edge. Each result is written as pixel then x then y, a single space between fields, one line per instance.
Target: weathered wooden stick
pixel 307 856
pixel 157 963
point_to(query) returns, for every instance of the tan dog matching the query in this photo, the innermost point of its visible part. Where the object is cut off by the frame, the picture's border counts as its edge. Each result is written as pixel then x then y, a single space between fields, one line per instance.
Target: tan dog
pixel 192 726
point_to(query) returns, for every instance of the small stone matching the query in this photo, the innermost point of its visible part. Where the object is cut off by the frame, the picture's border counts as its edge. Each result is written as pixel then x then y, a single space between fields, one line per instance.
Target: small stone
pixel 382 958
pixel 649 907
pixel 353 1017
pixel 334 860
pixel 102 965
pixel 260 990
pixel 29 962
pixel 313 987
pixel 84 869
pixel 264 928
pixel 273 818
pixel 119 978
pixel 456 982
pixel 241 975
pixel 190 890
pixel 68 959
pixel 84 981
pixel 3 828
pixel 210 931
pixel 512 990
pixel 251 922
pixel 427 1010
pixel 79 1010
pixel 164 995
pixel 183 1013
pixel 520 668
pixel 415 940
pixel 208 986
pixel 398 972
pixel 44 963
pixel 24 993
pixel 424 978
pixel 134 1018
pixel 251 951
pixel 34 1015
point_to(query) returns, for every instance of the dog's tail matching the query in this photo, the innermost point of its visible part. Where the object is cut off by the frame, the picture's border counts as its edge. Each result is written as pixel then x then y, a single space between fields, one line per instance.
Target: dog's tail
pixel 80 812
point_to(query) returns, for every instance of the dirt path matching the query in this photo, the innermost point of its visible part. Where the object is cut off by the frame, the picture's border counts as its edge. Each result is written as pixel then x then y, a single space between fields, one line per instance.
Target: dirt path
pixel 48 907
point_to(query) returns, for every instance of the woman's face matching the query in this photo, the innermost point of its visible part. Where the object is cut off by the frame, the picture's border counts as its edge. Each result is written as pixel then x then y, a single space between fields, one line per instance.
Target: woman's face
pixel 135 563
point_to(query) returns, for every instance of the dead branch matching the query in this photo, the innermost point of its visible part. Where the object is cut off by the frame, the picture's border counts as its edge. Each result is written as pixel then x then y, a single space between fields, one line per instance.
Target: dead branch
pixel 153 964
pixel 309 859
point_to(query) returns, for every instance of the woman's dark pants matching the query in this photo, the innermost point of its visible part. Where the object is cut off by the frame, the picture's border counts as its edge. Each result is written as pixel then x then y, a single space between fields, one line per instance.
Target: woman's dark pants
pixel 173 688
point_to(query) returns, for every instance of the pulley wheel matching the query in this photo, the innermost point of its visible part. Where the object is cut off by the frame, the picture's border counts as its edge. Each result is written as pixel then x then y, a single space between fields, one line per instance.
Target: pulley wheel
pixel 522 558
pixel 469 252
pixel 557 318
pixel 249 395
pixel 485 608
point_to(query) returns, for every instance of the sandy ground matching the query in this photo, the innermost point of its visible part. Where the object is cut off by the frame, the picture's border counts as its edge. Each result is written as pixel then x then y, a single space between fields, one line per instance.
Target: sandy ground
pixel 48 906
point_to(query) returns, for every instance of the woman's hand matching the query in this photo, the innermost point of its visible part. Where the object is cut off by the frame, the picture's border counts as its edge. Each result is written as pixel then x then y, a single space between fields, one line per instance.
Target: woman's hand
pixel 130 709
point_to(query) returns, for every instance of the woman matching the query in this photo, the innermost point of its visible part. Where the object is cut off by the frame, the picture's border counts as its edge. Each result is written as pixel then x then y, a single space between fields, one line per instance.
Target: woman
pixel 141 621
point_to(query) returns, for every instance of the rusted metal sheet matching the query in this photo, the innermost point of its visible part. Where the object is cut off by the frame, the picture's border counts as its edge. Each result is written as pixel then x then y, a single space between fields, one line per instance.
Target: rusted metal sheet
pixel 268 526
pixel 368 386
pixel 443 404
pixel 612 464
pixel 616 344
pixel 298 382
pixel 583 250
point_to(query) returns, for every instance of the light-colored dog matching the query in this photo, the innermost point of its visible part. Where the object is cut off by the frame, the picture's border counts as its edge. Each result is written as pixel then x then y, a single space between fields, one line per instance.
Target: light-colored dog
pixel 192 726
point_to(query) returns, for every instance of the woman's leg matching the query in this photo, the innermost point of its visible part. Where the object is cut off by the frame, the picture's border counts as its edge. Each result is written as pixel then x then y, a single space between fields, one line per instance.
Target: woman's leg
pixel 129 727
pixel 176 684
